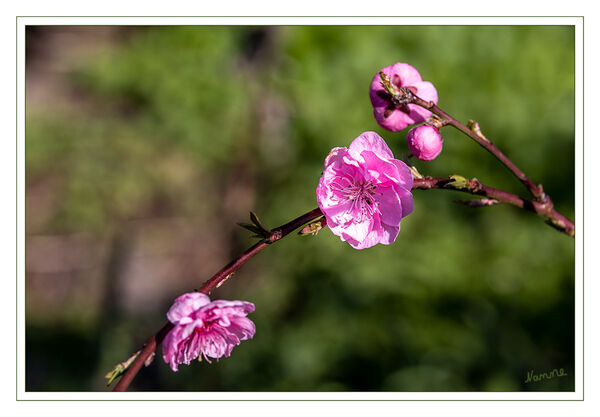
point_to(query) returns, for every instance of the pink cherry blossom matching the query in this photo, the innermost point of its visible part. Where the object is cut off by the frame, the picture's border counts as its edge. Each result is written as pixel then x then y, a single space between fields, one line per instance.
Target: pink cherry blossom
pixel 201 327
pixel 364 192
pixel 425 142
pixel 393 117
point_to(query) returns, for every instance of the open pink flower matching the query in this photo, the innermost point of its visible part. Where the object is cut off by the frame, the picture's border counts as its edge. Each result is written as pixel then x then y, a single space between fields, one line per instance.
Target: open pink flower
pixel 364 192
pixel 206 328
pixel 393 117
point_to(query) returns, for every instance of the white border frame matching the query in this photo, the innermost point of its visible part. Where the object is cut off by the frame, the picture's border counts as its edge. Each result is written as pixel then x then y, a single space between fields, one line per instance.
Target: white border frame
pixel 21 394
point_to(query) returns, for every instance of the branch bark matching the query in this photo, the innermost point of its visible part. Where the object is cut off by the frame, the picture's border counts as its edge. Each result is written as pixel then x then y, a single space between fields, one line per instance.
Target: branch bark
pixel 475 187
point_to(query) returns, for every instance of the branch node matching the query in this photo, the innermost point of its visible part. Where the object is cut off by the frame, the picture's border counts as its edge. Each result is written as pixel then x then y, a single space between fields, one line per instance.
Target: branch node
pixel 259 230
pixel 120 368
pixel 436 121
pixel 313 227
pixel 274 236
pixel 225 279
pixel 474 126
pixel 475 185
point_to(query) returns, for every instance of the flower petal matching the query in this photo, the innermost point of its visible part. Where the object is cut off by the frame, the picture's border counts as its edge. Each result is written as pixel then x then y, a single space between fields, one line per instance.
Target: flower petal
pixel 358 231
pixel 340 213
pixel 405 177
pixel 417 114
pixel 371 239
pixel 396 121
pixel 380 170
pixel 371 141
pixel 407 73
pixel 426 91
pixel 389 234
pixel 406 199
pixel 185 304
pixel 389 205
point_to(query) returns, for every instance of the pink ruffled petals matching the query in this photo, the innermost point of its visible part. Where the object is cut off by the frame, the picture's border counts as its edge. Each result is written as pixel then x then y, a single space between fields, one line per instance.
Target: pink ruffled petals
pixel 393 117
pixel 364 192
pixel 186 304
pixel 205 328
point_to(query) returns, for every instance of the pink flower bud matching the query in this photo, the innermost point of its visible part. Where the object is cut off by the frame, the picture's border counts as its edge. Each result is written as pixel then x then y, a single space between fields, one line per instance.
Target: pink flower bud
pixel 392 116
pixel 425 142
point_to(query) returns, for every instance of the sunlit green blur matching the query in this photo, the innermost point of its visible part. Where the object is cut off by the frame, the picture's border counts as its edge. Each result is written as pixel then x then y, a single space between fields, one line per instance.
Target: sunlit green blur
pixel 145 146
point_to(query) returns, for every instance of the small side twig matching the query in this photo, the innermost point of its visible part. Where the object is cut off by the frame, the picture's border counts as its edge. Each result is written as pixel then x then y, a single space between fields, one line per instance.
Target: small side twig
pixel 474 186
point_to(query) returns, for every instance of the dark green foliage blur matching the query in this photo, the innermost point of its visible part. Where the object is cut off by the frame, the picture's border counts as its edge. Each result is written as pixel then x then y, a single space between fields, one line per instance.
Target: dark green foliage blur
pixel 200 125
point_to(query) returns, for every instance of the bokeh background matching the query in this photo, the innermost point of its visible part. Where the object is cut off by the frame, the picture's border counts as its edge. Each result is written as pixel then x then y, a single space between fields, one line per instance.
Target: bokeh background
pixel 145 146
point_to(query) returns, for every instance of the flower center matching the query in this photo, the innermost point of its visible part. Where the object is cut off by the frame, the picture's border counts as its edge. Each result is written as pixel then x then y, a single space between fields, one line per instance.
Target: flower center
pixel 362 196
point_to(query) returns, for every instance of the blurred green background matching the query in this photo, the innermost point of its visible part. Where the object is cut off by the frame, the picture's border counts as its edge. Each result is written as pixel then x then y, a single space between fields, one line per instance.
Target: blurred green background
pixel 145 145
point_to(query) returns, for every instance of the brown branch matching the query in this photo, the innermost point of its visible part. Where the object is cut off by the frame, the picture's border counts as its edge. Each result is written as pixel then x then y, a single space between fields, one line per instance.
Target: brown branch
pixel 215 281
pixel 148 349
pixel 402 96
pixel 535 190
pixel 474 186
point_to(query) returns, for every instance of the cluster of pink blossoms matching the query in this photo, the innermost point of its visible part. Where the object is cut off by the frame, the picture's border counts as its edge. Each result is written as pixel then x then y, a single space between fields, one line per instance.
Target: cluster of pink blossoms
pixel 364 193
pixel 424 142
pixel 205 329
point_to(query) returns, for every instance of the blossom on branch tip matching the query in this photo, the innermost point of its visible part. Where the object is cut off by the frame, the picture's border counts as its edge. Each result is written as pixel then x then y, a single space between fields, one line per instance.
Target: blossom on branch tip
pixel 425 142
pixel 204 328
pixel 364 192
pixel 393 116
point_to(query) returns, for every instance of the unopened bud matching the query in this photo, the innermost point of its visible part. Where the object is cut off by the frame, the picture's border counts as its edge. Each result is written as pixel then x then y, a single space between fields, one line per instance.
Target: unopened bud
pixel 425 142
